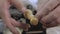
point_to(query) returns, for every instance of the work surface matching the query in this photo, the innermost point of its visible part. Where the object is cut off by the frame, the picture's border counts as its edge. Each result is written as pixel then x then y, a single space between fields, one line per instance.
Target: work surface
pixel 54 30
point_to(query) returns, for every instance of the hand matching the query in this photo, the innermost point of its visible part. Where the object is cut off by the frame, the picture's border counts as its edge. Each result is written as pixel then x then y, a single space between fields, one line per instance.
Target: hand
pixel 5 15
pixel 49 15
pixel 24 26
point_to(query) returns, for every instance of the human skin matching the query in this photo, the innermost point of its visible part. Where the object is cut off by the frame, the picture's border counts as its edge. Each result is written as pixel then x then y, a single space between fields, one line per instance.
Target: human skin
pixel 5 15
pixel 49 15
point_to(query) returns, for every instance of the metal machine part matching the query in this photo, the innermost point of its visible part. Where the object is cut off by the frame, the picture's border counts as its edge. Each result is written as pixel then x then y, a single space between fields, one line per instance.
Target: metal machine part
pixel 38 29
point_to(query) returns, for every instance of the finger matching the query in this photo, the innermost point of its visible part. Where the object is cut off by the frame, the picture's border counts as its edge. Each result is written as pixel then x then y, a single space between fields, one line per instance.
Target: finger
pixel 13 29
pixel 9 25
pixel 52 16
pixel 19 5
pixel 55 14
pixel 47 19
pixel 5 16
pixel 14 22
pixel 58 20
pixel 52 24
pixel 20 25
pixel 47 8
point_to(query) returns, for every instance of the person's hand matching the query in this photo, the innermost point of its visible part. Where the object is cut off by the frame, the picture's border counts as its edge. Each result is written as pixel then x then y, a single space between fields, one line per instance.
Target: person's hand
pixel 5 15
pixel 24 26
pixel 49 15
